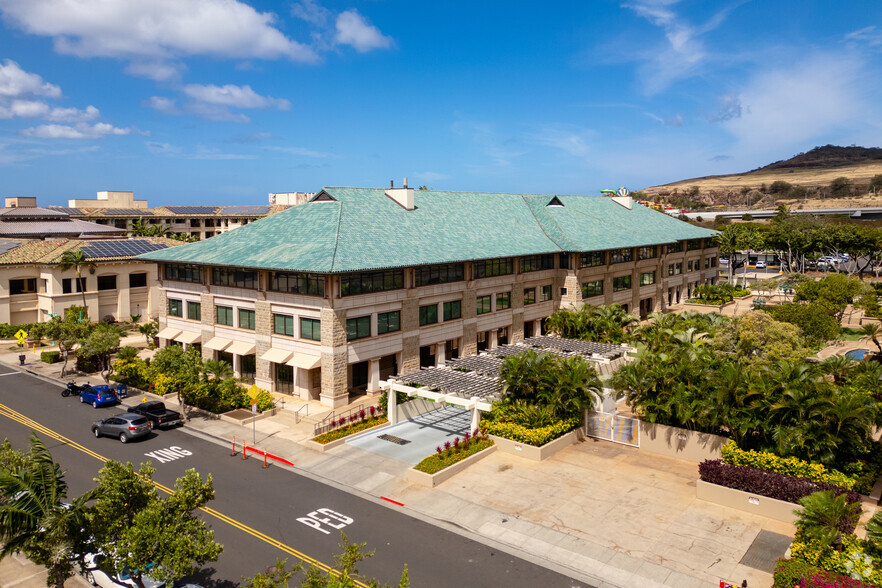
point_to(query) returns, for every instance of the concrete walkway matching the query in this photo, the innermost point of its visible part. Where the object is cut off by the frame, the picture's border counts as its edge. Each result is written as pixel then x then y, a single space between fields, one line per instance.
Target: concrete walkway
pixel 603 513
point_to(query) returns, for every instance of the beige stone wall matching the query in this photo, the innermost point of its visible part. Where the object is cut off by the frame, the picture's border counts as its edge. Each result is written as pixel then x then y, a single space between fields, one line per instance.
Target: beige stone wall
pixel 469 345
pixel 335 380
pixel 207 310
pixel 517 316
pixel 410 342
pixel 263 323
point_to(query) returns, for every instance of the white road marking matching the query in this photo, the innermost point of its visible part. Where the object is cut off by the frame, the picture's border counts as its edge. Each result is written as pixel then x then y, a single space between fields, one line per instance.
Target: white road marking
pixel 325 516
pixel 172 453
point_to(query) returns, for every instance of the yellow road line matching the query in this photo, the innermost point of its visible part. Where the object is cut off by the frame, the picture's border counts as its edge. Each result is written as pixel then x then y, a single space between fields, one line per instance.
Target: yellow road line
pixel 29 422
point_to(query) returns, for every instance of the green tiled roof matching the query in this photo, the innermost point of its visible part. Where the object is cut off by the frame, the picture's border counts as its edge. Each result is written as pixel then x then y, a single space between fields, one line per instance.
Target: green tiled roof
pixel 363 229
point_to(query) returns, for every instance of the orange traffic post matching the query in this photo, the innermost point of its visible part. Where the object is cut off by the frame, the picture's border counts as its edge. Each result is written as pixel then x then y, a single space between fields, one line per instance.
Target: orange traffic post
pixel 244 451
pixel 264 459
pixel 234 447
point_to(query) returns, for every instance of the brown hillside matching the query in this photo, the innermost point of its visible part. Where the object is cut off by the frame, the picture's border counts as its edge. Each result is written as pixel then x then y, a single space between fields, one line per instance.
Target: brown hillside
pixel 813 170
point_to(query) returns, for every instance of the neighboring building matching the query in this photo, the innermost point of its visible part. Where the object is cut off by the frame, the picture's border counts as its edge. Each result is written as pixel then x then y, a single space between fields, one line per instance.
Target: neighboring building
pixel 122 211
pixel 33 288
pixel 21 217
pixel 326 299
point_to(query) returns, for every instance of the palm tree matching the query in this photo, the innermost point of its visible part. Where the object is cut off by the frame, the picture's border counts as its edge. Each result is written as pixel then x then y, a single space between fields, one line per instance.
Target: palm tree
pixel 75 258
pixel 140 228
pixel 825 517
pixel 217 368
pixel 873 331
pixel 838 366
pixel 35 517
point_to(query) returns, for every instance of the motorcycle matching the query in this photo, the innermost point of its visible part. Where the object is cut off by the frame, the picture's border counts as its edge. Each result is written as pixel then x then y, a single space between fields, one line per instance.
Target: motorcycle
pixel 73 389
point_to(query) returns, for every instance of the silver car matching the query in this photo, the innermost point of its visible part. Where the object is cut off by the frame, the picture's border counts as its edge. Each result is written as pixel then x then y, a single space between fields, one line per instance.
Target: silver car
pixel 123 426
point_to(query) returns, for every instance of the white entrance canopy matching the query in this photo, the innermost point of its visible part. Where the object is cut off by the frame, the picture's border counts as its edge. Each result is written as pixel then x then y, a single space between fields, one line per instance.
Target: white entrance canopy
pixel 276 355
pixel 305 362
pixel 241 348
pixel 188 337
pixel 218 343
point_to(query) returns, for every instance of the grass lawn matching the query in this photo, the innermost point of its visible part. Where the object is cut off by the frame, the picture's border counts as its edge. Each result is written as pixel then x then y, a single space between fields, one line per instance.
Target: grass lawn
pixel 851 334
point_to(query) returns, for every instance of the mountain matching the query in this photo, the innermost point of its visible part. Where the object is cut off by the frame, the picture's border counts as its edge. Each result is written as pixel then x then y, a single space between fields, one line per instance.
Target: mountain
pixel 806 180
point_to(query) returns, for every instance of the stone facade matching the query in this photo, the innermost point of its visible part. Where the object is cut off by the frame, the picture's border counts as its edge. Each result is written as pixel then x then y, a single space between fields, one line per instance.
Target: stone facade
pixel 335 376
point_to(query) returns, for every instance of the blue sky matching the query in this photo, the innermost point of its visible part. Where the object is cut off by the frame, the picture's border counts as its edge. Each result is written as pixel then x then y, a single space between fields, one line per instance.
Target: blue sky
pixel 223 101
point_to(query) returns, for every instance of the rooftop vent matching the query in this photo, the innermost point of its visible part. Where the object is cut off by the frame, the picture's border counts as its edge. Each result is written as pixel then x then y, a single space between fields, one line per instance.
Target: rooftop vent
pixel 555 202
pixel 402 196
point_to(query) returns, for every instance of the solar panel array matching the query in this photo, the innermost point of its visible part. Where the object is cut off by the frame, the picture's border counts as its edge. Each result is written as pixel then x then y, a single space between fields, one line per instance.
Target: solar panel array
pixel 192 209
pixel 245 210
pixel 127 248
pixel 7 245
pixel 126 212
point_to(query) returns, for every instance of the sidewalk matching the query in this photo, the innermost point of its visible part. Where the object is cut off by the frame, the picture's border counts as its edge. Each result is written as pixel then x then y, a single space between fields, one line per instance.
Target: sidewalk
pixel 600 512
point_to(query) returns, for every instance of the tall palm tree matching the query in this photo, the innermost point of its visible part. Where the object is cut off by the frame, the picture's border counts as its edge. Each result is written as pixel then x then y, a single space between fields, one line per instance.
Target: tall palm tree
pixel 76 259
pixel 874 332
pixel 37 520
pixel 140 228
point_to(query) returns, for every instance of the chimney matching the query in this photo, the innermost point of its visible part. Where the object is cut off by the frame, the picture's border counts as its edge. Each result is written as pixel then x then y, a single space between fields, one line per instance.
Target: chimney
pixel 625 201
pixel 402 196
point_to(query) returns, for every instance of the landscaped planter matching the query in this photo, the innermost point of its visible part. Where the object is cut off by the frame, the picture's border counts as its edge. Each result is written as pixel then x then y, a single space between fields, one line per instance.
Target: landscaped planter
pixel 432 480
pixel 337 442
pixel 537 453
pixel 778 510
pixel 680 443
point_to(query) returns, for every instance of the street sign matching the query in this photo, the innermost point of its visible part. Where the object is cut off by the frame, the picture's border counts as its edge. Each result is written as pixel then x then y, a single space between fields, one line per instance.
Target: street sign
pixel 254 408
pixel 21 335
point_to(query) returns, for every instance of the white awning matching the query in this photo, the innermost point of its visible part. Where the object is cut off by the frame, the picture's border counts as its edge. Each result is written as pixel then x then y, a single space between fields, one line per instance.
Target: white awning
pixel 168 333
pixel 189 337
pixel 276 355
pixel 306 362
pixel 218 343
pixel 241 348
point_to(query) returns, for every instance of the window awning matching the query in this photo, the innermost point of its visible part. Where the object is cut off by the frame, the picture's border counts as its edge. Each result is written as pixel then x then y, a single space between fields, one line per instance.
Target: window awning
pixel 218 343
pixel 168 333
pixel 189 337
pixel 241 348
pixel 303 361
pixel 276 355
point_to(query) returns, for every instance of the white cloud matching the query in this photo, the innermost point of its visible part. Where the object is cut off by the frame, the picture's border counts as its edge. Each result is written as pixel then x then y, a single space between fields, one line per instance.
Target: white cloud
pixel 161 148
pixel 159 71
pixel 15 82
pixel 79 131
pixel 570 141
pixel 869 35
pixel 354 30
pixel 234 96
pixel 299 151
pixel 312 12
pixel 161 104
pixel 37 109
pixel 217 112
pixel 156 29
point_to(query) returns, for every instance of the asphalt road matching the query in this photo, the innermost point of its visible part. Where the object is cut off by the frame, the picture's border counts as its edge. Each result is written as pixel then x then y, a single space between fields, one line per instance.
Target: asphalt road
pixel 259 514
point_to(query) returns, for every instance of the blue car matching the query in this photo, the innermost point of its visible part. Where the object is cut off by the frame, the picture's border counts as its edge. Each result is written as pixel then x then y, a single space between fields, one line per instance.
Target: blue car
pixel 102 395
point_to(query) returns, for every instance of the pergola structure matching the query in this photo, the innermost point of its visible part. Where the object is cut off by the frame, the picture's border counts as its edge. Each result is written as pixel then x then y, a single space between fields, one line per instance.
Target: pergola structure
pixel 473 382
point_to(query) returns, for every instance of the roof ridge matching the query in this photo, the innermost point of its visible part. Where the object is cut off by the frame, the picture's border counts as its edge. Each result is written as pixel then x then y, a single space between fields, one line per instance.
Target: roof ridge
pixel 337 235
pixel 539 222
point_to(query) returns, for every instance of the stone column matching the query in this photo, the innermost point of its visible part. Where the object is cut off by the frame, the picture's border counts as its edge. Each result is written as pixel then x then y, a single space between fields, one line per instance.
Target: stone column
pixel 469 345
pixel 410 340
pixel 493 343
pixel 207 313
pixel 123 302
pixel 373 376
pixel 476 415
pixel 440 352
pixel 517 313
pixel 335 389
pixel 263 324
pixel 573 298
pixel 392 406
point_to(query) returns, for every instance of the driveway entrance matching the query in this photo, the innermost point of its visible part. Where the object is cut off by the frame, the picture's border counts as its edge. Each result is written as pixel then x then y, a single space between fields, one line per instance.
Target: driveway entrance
pixel 413 440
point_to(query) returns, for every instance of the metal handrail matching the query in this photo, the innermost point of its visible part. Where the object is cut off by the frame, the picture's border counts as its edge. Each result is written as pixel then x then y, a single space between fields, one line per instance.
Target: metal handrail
pixel 297 413
pixel 324 425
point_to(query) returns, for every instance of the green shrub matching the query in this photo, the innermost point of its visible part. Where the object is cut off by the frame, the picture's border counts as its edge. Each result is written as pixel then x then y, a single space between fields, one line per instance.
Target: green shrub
pixel 536 437
pixel 788 573
pixel 400 399
pixel 86 364
pixel 447 457
pixel 50 356
pixel 854 560
pixel 790 466
pixel 131 372
pixel 9 331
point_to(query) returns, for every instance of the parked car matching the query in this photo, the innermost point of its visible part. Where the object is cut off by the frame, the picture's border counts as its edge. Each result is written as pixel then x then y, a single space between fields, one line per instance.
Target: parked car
pixel 125 427
pixel 97 577
pixel 760 265
pixel 157 414
pixel 101 395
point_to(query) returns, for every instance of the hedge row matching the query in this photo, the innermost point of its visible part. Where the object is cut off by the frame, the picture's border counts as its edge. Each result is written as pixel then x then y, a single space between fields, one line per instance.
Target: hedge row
pixel 765 483
pixel 791 572
pixel 856 559
pixel 789 466
pixel 536 437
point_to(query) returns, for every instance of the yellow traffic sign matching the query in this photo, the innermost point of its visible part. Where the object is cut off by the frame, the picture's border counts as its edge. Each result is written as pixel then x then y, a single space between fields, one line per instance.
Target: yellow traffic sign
pixel 21 335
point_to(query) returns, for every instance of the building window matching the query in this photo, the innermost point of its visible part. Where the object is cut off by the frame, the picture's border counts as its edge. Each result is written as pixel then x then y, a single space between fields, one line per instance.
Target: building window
pixel 706 262
pixel 312 328
pixel 563 260
pixel 67 285
pixel 592 259
pixel 358 328
pixel 484 304
pixel 428 314
pixel 529 296
pixel 194 222
pixel 246 319
pixel 533 263
pixel 224 315
pixel 23 286
pixel 438 274
pixel 545 293
pixel 621 283
pixel 248 368
pixel 621 255
pixel 237 278
pixel 675 247
pixel 106 283
pixel 175 307
pixel 645 252
pixel 367 282
pixel 388 322
pixel 689 265
pixel 283 324
pixel 590 289
pixel 488 268
pixel 138 280
pixel 713 261
pixel 503 300
pixel 647 278
pixel 183 273
pixel 309 284
pixel 452 310
pixel 675 269
pixel 693 244
pixel 194 311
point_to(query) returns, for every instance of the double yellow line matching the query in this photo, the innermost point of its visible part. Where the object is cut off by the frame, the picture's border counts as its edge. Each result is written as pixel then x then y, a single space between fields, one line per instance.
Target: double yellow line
pixel 34 425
